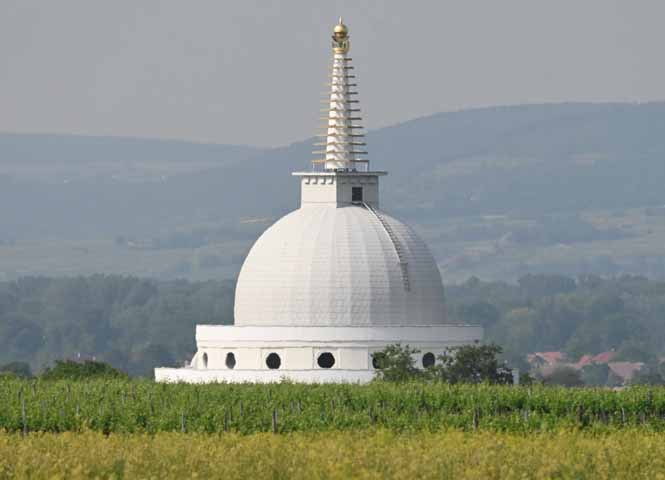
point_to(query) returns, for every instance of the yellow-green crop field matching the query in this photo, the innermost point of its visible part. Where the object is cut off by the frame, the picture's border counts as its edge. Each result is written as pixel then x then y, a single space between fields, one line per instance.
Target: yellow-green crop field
pixel 141 429
pixel 353 454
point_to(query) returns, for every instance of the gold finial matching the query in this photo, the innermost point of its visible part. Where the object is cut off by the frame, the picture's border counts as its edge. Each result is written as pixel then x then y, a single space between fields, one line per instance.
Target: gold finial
pixel 340 37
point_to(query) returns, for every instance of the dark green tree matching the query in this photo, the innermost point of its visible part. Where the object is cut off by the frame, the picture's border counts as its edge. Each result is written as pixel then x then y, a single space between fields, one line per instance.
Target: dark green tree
pixel 146 359
pixel 472 364
pixel 71 370
pixel 648 375
pixel 396 364
pixel 635 350
pixel 479 313
pixel 18 369
pixel 595 374
pixel 545 285
pixel 565 377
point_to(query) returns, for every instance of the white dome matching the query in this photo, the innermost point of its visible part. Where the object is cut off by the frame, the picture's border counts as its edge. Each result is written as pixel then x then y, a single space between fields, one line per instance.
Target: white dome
pixel 330 266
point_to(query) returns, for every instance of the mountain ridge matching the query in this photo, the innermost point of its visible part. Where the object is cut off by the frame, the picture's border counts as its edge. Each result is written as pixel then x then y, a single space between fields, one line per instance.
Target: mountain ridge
pixel 543 168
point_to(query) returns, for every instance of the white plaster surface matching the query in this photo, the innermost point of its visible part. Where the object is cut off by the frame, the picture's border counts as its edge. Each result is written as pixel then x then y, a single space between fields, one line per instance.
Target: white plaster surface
pixel 324 265
pixel 190 375
pixel 300 347
pixel 335 188
pixel 250 336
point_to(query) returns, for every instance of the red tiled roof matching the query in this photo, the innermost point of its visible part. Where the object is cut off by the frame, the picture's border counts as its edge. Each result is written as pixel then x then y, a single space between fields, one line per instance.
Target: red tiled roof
pixel 552 357
pixel 604 357
pixel 584 361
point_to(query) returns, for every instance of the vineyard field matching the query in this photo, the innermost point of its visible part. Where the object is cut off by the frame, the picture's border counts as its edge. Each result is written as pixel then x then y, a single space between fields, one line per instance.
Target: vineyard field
pixel 370 454
pixel 132 406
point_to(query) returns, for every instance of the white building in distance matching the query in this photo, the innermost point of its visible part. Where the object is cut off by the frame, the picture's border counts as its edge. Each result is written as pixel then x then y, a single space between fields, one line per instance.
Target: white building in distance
pixel 333 282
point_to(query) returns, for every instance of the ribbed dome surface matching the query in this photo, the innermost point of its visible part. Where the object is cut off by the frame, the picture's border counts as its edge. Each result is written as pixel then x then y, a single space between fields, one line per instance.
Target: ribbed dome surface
pixel 330 266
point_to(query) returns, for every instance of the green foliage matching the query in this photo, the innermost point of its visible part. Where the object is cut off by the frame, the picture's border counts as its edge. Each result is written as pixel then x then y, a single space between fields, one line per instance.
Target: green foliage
pixel 545 285
pixel 564 377
pixel 636 350
pixel 587 315
pixel 596 374
pixel 125 406
pixel 133 324
pixel 396 364
pixel 649 375
pixel 601 332
pixel 463 364
pixel 479 313
pixel 70 370
pixel 18 369
pixel 136 324
pixel 526 378
pixel 472 364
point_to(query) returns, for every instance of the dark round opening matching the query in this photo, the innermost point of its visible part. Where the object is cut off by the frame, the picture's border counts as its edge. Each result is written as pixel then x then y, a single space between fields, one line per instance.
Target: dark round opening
pixel 378 359
pixel 273 361
pixel 230 360
pixel 326 360
pixel 428 360
pixel 205 360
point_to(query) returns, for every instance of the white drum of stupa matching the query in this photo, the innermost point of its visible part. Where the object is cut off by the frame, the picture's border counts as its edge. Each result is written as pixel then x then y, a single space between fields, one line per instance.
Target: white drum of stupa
pixel 332 283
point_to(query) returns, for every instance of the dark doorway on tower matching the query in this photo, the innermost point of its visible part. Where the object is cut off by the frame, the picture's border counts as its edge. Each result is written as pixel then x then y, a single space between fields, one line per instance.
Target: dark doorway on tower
pixel 356 194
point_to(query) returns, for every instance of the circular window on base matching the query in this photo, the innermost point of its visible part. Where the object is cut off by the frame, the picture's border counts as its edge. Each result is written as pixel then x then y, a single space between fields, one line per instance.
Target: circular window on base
pixel 230 360
pixel 273 362
pixel 326 360
pixel 428 360
pixel 378 360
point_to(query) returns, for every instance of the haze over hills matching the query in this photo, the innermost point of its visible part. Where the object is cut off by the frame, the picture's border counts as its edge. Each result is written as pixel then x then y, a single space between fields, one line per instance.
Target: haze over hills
pixel 58 158
pixel 497 192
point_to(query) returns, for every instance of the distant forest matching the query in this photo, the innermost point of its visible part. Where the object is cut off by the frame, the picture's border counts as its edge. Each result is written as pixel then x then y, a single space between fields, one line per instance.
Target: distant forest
pixel 137 324
pixel 133 324
pixel 584 315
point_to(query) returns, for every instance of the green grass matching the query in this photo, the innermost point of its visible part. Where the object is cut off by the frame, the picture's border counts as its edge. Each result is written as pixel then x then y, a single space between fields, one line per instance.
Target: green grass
pixel 143 406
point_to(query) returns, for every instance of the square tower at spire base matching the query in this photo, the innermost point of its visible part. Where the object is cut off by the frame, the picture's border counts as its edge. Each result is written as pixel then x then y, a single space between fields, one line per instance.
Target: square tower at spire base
pixel 339 188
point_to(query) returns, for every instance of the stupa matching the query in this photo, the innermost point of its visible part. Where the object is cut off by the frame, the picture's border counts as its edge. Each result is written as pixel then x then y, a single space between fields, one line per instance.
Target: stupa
pixel 333 282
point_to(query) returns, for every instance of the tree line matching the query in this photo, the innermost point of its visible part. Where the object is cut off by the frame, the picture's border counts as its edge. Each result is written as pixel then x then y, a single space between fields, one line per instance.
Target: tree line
pixel 136 324
pixel 130 323
pixel 584 315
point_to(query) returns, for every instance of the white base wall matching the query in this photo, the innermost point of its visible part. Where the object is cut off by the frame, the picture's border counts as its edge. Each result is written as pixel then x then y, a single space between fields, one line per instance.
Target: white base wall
pixel 192 375
pixel 299 350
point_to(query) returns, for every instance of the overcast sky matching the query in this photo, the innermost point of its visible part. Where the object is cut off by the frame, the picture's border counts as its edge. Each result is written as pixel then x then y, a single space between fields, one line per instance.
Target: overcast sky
pixel 252 72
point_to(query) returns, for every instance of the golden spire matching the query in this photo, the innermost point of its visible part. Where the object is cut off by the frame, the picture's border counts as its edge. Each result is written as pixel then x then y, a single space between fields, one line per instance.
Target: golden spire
pixel 340 38
pixel 342 133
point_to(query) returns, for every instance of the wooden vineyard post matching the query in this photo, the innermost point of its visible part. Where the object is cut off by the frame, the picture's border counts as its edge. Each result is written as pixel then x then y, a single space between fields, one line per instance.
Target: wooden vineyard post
pixel 24 417
pixel 274 420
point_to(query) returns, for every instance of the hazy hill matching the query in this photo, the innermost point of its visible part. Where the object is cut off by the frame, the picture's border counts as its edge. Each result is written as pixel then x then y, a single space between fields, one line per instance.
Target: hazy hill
pixel 68 185
pixel 514 159
pixel 66 158
pixel 538 167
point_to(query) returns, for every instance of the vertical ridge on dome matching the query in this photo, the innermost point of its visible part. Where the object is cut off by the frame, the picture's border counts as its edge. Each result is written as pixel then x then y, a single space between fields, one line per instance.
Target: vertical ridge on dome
pixel 344 141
